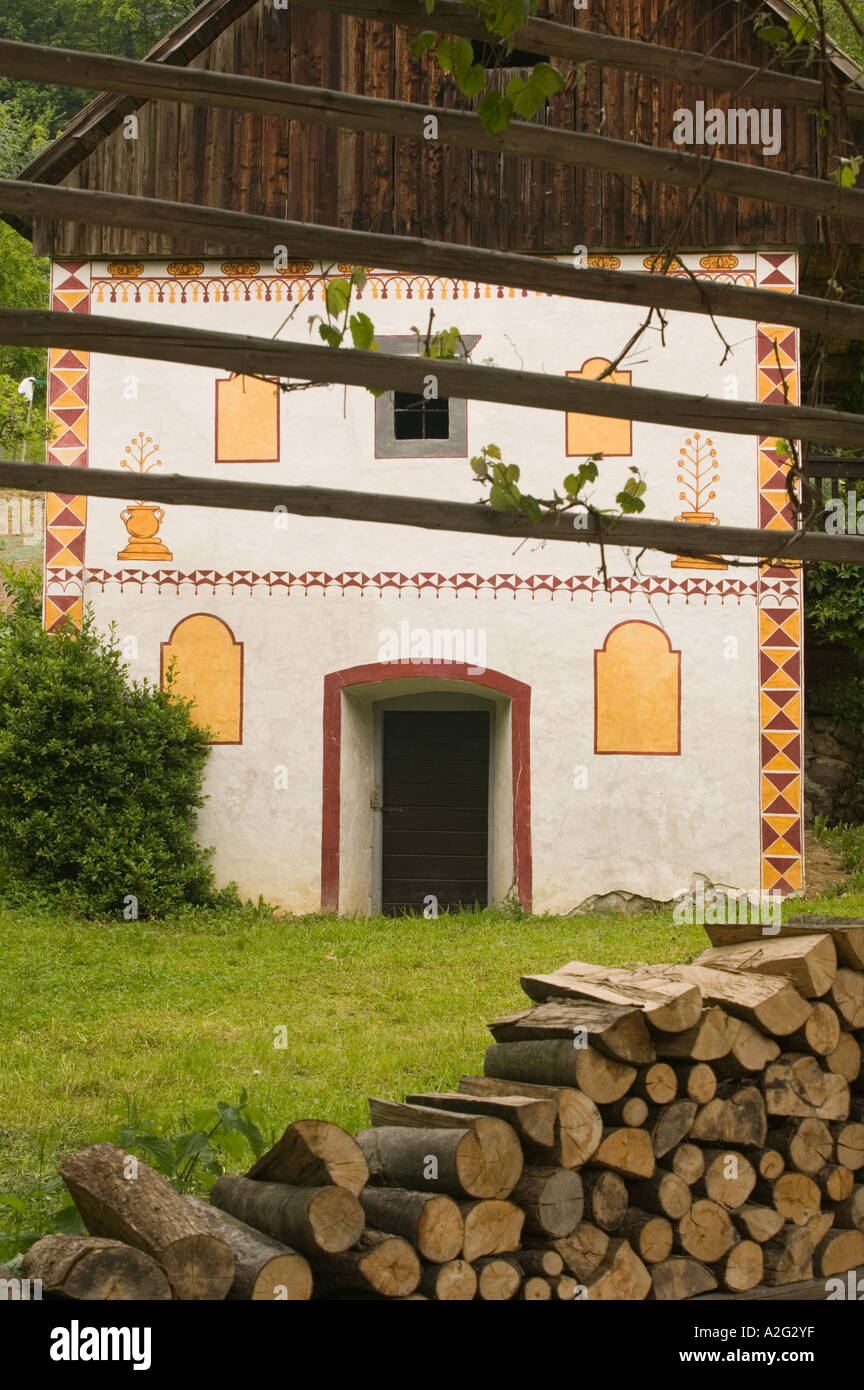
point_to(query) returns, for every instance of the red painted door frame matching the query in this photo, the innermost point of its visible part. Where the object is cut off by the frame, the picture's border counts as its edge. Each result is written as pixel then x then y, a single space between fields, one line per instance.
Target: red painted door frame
pixel 519 695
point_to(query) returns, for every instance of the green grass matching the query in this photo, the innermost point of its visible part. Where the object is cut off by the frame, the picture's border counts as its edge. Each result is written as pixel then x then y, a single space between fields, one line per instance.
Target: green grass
pixel 177 1015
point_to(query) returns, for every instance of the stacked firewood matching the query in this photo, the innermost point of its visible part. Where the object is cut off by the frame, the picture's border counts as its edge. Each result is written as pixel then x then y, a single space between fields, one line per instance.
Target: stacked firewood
pixel 655 1133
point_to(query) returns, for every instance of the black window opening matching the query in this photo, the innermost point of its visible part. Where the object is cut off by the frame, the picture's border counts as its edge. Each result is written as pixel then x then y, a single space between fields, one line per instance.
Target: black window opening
pixel 416 418
pixel 435 841
pixel 492 55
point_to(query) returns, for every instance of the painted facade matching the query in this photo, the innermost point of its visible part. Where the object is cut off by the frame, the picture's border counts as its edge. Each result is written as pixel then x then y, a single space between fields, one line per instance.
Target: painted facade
pixel 645 725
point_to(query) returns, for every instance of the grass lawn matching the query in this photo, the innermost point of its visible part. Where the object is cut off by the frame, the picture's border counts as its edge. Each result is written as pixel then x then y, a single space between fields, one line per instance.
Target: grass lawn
pixel 178 1015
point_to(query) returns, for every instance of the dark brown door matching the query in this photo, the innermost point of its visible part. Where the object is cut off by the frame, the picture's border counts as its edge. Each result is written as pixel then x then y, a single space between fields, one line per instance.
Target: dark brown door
pixel 435 809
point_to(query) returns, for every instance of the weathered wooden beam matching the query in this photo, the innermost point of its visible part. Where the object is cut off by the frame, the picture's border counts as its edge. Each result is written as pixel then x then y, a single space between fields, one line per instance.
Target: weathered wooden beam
pixel 545 38
pixel 251 356
pixel 255 235
pixel 98 72
pixel 672 537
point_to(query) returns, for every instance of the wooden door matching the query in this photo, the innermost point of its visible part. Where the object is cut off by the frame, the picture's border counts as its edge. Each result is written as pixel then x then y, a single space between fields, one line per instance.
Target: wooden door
pixel 435 801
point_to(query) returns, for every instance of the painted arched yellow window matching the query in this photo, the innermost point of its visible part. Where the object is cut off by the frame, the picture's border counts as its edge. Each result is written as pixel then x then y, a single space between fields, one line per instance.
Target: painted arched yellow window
pixel 208 669
pixel 597 434
pixel 637 692
pixel 247 420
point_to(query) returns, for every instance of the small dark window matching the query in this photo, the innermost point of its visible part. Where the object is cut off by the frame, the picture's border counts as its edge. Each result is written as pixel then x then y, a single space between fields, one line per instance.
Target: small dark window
pixel 490 55
pixel 416 418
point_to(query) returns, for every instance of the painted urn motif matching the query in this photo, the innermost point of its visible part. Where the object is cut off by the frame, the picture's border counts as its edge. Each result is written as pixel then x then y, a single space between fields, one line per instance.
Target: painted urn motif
pixel 143 519
pixel 698 459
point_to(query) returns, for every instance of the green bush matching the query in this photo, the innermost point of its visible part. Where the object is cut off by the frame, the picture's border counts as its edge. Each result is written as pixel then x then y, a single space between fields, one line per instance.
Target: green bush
pixel 99 778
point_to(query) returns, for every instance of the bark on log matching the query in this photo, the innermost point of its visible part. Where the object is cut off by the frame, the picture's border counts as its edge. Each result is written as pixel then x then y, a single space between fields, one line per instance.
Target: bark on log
pixel 710 1038
pixel 453 1282
pixel 546 1262
pixel 849 1214
pixel 736 1116
pixel 809 962
pixel 613 1029
pixel 705 1232
pixel 796 1085
pixel 565 1288
pixel 309 1219
pixel 656 1084
pixel 580 1127
pixel 314 1153
pixel 768 1163
pixel 532 1118
pixel 650 1236
pixel 849 1144
pixel 820 1034
pixel 560 1064
pixel 631 1110
pixel 265 1269
pixel 605 1199
pixel 696 1081
pixel 535 1289
pixel 476 1162
pixel 145 1211
pixel 772 1005
pixel 742 1268
pixel 429 1221
pixel 498 1278
pixel 729 1178
pixel 89 1268
pixel 794 1195
pixel 845 1060
pixel 806 1145
pixel 552 1200
pixel 492 1227
pixel 583 1251
pixel 627 1151
pixel 620 1276
pixel 847 934
pixel 679 1277
pixel 788 1259
pixel 757 1223
pixel 751 1051
pixel 687 1161
pixel 847 996
pixel 665 1195
pixel 667 1006
pixel 383 1263
pixel 837 1252
pixel 835 1182
pixel 669 1124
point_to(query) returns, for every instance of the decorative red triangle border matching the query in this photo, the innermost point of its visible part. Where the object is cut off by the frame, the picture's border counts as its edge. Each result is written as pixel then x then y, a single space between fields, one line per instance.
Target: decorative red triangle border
pixel 69 407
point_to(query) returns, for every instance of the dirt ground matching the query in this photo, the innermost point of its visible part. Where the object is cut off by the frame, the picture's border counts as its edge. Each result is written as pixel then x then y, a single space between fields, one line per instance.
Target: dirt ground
pixel 822 867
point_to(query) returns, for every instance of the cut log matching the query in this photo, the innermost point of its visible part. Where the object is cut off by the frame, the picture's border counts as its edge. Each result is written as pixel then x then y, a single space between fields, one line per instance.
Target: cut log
pixel 535 1289
pixel 794 1195
pixel 757 1223
pixel 845 1060
pixel 632 1111
pixel 628 1151
pixel 729 1178
pixel 123 1198
pixel 484 1161
pixel 796 1085
pixel 736 1116
pixel 533 1118
pixel 849 1214
pixel 552 1200
pixel 687 1161
pixel 656 1084
pixel 788 1259
pixel 809 962
pixel 706 1232
pixel 565 1288
pixel 847 934
pixel 835 1182
pixel 94 1270
pixel 453 1282
pixel 837 1252
pixel 613 1029
pixel 667 1006
pixel 546 1262
pixel 650 1236
pixel 383 1263
pixel 313 1153
pixel 583 1251
pixel 696 1082
pixel 768 1163
pixel 429 1221
pixel 742 1268
pixel 806 1145
pixel 264 1269
pixel 669 1124
pixel 710 1038
pixel 309 1219
pixel 849 1144
pixel 664 1195
pixel 819 1225
pixel 620 1276
pixel 679 1277
pixel 558 1063
pixel 580 1127
pixel 772 1005
pixel 820 1034
pixel 499 1149
pixel 498 1278
pixel 847 996
pixel 492 1226
pixel 605 1199
pixel 752 1050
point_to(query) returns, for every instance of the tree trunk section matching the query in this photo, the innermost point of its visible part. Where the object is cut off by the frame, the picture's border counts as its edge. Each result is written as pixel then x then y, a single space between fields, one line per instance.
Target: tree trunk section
pixel 736 1115
pixel 687 1162
pixel 664 1195
pixel 492 1227
pixel 583 1251
pixel 453 1282
pixel 679 1277
pixel 845 1060
pixel 379 1262
pixel 742 1268
pixel 796 1085
pixel 561 1064
pixel 669 1124
pixel 651 1237
pixel 265 1270
pixel 709 1040
pixel 545 1262
pixel 751 1051
pixel 656 1084
pixel 667 1006
pixel 605 1199
pixel 532 1118
pixel 429 1221
pixel 837 1252
pixel 729 1178
pixel 621 1275
pixel 314 1153
pixel 820 1034
pixel 809 962
pixel 498 1278
pixel 806 1145
pixel 619 1032
pixel 632 1111
pixel 626 1151
pixel 475 1162
pixel 706 1232
pixel 580 1127
pixel 772 1005
pixel 795 1196
pixel 788 1259
pixel 552 1200
pixel 757 1223
pixel 847 996
pixel 696 1082
pixel 88 1268
pixel 849 1144
pixel 309 1219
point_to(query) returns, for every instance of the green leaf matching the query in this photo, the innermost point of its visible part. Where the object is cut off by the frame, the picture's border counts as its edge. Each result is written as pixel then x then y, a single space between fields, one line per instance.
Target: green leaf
pixel 801 29
pixel 772 33
pixel 545 79
pixel 493 451
pixel 445 53
pixel 68 1222
pixel 423 41
pixel 495 111
pixel 531 507
pixel 572 485
pixel 480 468
pixel 501 500
pixel 512 472
pixel 161 1150
pixel 331 334
pixel 363 332
pixel 337 296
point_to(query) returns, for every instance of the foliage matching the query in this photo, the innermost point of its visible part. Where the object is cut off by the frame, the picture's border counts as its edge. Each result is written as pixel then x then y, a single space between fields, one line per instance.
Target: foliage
pixel 504 494
pixel 99 779
pixel 16 429
pixel 23 285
